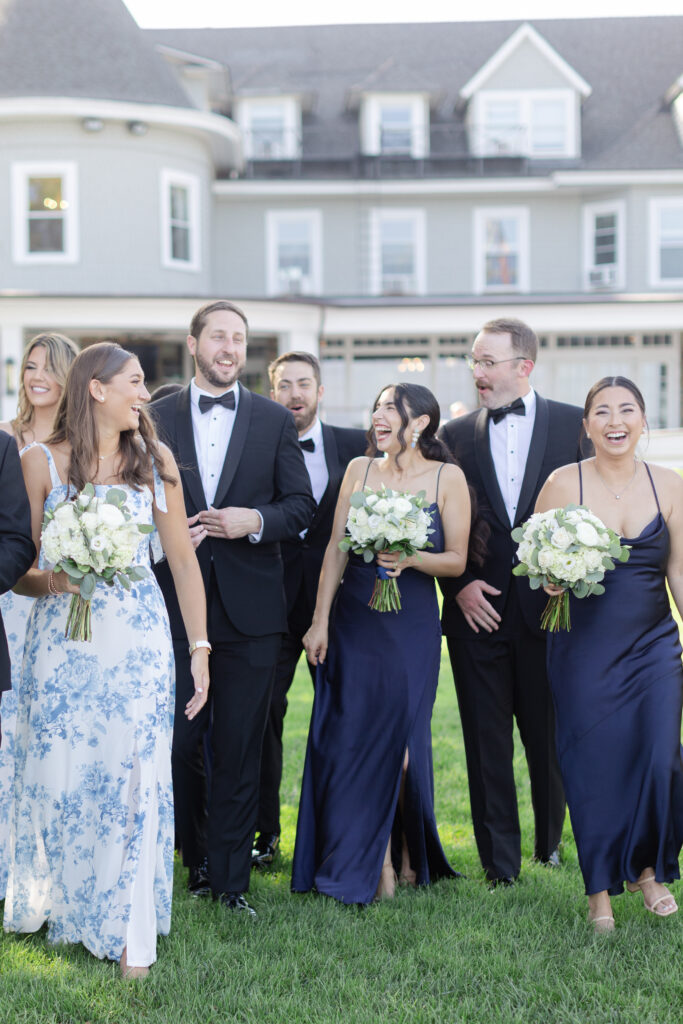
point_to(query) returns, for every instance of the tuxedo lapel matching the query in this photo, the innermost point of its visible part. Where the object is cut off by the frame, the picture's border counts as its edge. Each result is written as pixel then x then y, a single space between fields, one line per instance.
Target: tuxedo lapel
pixel 482 448
pixel 333 468
pixel 539 440
pixel 187 453
pixel 234 453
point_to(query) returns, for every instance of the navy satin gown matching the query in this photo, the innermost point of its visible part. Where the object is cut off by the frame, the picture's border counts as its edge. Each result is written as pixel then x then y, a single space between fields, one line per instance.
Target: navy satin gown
pixel 617 684
pixel 373 699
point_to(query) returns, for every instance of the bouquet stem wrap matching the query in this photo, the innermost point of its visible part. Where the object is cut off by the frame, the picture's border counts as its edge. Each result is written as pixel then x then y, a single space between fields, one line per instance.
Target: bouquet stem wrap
pixel 386 597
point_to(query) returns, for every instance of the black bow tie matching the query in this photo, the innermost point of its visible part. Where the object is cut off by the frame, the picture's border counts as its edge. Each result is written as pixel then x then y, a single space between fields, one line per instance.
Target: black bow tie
pixel 517 408
pixel 206 403
pixel 308 445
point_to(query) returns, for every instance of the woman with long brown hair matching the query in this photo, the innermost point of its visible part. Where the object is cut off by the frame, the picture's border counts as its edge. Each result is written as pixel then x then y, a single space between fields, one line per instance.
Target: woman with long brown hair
pixel 44 367
pixel 93 829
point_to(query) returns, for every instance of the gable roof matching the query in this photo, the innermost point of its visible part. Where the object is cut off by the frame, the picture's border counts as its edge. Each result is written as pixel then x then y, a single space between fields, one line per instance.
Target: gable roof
pixel 81 48
pixel 525 33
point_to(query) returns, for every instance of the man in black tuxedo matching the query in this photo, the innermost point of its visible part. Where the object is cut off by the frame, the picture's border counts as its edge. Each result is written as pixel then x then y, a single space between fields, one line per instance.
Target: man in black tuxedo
pixel 491 618
pixel 246 489
pixel 17 550
pixel 295 384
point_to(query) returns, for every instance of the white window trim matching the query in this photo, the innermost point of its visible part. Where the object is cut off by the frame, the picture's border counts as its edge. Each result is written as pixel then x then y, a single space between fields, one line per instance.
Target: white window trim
pixel 656 205
pixel 377 216
pixel 370 122
pixel 590 212
pixel 168 179
pixel 525 97
pixel 273 220
pixel 291 111
pixel 21 172
pixel 481 213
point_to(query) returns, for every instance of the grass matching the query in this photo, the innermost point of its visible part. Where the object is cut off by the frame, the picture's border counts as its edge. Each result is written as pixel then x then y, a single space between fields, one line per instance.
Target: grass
pixel 453 953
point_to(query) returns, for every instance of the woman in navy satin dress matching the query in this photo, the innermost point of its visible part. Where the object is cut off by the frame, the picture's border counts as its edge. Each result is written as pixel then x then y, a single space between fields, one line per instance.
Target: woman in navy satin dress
pixel 616 677
pixel 367 798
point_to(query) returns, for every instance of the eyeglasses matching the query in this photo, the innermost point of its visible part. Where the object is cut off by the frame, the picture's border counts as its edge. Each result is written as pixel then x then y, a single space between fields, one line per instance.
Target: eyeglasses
pixel 488 364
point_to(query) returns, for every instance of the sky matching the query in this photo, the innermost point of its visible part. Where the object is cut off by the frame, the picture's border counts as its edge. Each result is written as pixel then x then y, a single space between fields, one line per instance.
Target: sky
pixel 198 13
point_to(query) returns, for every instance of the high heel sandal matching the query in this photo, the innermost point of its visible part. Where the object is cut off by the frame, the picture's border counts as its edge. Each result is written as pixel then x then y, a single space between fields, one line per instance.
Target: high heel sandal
pixel 131 973
pixel 602 924
pixel 653 907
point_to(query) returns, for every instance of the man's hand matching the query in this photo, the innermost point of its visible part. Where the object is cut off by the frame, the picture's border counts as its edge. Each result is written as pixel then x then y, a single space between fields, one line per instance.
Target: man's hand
pixel 476 609
pixel 197 530
pixel 230 523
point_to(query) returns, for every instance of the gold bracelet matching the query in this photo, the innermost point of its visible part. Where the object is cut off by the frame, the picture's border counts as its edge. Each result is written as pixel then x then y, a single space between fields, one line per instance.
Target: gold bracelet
pixel 51 588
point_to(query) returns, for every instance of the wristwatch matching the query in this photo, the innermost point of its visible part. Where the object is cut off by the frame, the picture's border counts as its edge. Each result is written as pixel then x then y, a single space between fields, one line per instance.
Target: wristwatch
pixel 199 643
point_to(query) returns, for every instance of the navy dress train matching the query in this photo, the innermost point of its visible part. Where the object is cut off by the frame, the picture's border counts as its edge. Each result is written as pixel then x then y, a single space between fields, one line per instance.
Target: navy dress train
pixel 617 684
pixel 373 700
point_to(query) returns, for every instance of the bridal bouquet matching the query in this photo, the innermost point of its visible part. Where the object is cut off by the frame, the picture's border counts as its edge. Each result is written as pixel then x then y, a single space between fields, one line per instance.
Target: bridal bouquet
pixel 566 547
pixel 92 539
pixel 386 520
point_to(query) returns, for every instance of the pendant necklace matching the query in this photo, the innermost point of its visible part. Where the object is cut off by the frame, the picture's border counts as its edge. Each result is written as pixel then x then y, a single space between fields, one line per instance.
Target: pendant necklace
pixel 626 486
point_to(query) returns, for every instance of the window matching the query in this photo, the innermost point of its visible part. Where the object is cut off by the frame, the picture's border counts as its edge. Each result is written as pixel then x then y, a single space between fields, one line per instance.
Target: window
pixel 666 242
pixel 395 125
pixel 603 245
pixel 539 124
pixel 294 252
pixel 180 246
pixel 271 127
pixel 501 249
pixel 45 228
pixel 398 252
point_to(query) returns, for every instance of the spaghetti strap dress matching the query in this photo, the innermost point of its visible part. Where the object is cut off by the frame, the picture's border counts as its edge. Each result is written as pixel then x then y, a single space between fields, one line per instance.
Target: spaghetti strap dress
pixel 617 684
pixel 374 696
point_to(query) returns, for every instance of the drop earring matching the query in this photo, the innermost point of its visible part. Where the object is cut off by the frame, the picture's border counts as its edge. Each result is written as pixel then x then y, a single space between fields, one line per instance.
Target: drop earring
pixel 416 438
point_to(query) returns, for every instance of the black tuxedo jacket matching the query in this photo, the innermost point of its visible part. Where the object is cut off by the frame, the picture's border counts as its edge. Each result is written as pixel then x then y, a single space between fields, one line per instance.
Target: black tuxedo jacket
pixel 303 557
pixel 263 469
pixel 17 550
pixel 554 443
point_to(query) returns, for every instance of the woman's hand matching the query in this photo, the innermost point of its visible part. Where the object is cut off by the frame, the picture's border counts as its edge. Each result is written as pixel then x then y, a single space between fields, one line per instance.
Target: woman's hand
pixel 315 643
pixel 393 563
pixel 199 667
pixel 554 591
pixel 64 584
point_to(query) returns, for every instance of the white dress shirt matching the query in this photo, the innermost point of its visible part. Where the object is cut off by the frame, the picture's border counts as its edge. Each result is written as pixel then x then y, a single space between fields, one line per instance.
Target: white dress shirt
pixel 212 432
pixel 315 460
pixel 510 440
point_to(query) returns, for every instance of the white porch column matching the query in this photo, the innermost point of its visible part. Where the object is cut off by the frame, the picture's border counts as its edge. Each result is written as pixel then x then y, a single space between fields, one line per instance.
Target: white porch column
pixel 298 341
pixel 11 350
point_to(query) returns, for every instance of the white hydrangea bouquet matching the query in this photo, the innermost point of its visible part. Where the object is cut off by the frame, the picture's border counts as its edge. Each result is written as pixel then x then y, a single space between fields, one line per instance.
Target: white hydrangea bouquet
pixel 566 547
pixel 386 520
pixel 92 539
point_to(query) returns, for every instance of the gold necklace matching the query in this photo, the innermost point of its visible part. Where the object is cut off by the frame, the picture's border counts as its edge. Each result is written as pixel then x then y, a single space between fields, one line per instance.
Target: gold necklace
pixel 625 488
pixel 103 457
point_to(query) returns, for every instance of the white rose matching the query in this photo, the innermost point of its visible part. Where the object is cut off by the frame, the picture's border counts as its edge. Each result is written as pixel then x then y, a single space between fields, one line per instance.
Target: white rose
pixel 374 522
pixel 372 499
pixel 525 551
pixel 382 506
pixel 546 558
pixel 561 539
pixel 362 517
pixel 392 533
pixel 89 522
pixel 97 543
pixel 402 506
pixel 65 515
pixel 593 560
pixel 587 534
pixel 110 515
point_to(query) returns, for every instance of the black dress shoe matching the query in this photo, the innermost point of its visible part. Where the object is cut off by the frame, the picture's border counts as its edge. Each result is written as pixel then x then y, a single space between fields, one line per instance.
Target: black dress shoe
pixel 235 901
pixel 264 850
pixel 198 880
pixel 553 860
pixel 501 883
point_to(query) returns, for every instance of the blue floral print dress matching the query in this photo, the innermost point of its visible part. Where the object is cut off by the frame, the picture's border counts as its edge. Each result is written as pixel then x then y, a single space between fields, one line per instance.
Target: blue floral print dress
pixel 92 842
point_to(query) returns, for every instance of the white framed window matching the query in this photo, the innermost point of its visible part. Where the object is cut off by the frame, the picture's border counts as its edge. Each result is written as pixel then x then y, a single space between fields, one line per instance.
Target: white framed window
pixel 604 245
pixel 271 127
pixel 395 124
pixel 666 242
pixel 294 252
pixel 180 221
pixel 534 123
pixel 501 249
pixel 45 212
pixel 397 259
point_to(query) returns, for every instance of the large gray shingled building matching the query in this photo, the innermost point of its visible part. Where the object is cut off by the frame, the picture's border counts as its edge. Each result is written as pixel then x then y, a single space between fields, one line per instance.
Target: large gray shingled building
pixel 370 193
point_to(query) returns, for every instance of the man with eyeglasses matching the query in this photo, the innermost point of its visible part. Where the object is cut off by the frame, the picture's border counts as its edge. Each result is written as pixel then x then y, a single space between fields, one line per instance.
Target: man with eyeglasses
pixel 491 619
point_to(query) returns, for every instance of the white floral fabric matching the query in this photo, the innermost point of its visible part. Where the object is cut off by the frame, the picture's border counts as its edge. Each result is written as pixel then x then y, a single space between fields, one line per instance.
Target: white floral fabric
pixel 93 761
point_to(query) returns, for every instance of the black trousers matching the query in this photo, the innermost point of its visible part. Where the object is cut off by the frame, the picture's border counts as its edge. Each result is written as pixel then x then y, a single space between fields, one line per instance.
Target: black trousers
pixel 222 827
pixel 268 819
pixel 499 678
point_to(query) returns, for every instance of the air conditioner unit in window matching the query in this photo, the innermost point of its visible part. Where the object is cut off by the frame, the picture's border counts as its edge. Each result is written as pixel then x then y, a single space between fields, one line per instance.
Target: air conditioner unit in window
pixel 603 277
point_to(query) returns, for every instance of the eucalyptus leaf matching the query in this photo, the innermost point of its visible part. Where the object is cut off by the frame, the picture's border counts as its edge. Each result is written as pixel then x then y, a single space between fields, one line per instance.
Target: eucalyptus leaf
pixel 87 587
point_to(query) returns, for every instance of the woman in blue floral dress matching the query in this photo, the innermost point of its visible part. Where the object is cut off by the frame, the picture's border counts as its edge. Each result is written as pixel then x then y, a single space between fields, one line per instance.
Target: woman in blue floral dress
pixel 92 839
pixel 44 367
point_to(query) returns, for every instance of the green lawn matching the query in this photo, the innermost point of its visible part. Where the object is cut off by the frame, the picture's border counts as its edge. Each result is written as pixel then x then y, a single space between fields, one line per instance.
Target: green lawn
pixel 452 953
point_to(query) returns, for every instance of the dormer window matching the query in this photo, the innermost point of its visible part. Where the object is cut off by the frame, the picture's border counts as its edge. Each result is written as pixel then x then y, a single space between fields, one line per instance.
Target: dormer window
pixel 395 124
pixel 538 124
pixel 271 127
